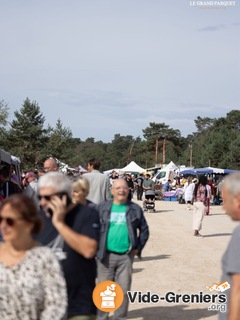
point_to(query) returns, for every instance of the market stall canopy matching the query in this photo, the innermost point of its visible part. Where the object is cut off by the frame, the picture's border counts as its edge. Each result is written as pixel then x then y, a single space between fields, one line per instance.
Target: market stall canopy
pixel 108 172
pixel 188 172
pixel 133 167
pixel 15 160
pixel 211 170
pixel 206 170
pixel 5 156
pixel 171 166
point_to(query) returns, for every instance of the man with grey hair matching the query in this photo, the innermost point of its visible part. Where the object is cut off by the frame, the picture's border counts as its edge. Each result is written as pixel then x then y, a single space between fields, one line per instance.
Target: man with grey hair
pixel 72 231
pixel 50 164
pixel 231 257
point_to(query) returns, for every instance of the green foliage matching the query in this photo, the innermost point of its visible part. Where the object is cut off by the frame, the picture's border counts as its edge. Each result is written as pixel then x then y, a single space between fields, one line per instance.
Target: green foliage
pixel 26 138
pixel 158 134
pixel 203 124
pixel 4 112
pixel 85 150
pixel 216 142
pixel 120 151
pixel 60 142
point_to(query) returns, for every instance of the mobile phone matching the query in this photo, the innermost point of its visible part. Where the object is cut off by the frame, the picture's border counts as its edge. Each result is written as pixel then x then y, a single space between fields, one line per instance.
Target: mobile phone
pixel 49 210
pixel 60 195
pixel 69 201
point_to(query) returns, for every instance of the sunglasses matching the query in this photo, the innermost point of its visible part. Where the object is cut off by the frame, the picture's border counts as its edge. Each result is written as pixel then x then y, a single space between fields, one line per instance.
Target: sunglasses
pixel 9 221
pixel 48 197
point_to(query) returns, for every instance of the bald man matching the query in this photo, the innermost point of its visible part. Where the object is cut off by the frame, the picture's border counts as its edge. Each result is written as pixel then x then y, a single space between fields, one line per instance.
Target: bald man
pixel 50 165
pixel 124 234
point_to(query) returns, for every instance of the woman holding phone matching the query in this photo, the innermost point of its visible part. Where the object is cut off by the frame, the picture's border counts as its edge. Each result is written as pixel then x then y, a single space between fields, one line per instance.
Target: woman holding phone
pixel 31 281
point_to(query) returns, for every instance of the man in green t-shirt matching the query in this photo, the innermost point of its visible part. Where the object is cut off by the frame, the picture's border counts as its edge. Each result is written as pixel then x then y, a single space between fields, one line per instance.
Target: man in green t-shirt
pixel 124 233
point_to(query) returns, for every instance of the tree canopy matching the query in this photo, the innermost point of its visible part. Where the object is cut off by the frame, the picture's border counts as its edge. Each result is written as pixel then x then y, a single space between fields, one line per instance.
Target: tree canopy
pixel 216 142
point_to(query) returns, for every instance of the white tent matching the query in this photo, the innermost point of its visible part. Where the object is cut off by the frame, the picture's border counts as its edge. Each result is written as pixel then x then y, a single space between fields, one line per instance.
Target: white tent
pixel 133 167
pixel 171 166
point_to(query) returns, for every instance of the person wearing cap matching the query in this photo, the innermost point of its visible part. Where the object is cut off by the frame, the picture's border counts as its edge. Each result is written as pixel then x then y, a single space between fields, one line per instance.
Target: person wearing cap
pixel 31 186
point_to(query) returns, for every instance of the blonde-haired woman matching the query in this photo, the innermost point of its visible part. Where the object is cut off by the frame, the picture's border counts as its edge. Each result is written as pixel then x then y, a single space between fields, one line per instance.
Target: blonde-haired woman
pixel 80 190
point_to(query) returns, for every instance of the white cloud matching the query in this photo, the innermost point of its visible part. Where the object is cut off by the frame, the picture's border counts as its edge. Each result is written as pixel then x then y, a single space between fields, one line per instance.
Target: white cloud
pixel 114 66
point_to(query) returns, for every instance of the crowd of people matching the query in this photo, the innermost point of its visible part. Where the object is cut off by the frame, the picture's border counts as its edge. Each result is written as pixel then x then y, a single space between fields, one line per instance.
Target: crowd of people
pixel 61 235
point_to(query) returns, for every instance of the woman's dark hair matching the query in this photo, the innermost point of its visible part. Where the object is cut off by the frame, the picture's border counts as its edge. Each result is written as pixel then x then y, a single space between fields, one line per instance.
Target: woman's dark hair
pixel 26 208
pixel 202 180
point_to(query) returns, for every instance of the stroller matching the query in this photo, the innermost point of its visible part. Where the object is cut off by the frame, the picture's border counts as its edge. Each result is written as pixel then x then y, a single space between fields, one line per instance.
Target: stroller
pixel 149 201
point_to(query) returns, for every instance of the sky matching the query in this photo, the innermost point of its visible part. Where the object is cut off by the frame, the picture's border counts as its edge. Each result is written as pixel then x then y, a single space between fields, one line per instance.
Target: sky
pixel 107 67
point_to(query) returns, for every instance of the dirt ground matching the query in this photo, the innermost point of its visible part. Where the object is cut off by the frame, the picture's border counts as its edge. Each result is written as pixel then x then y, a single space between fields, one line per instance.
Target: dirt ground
pixel 173 260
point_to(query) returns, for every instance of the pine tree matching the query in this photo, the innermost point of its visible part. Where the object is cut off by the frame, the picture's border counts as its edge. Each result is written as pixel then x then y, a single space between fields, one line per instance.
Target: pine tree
pixel 27 136
pixel 4 111
pixel 60 142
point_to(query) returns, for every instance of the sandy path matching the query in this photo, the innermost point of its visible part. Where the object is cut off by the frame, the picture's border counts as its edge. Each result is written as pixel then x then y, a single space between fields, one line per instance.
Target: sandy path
pixel 174 260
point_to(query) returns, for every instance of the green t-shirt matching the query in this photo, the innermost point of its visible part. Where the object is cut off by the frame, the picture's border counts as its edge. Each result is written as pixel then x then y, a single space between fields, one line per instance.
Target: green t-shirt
pixel 118 238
